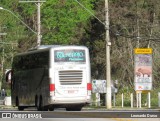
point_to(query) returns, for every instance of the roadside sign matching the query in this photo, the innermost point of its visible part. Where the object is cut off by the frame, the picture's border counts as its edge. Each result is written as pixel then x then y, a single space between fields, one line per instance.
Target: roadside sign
pixel 143 51
pixel 143 69
pixel 99 86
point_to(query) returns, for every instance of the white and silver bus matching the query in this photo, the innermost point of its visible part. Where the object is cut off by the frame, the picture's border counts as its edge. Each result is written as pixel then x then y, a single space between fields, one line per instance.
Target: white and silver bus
pixel 51 77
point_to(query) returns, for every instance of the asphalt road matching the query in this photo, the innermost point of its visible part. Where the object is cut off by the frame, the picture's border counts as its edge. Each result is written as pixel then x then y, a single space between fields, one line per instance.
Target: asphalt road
pixel 84 115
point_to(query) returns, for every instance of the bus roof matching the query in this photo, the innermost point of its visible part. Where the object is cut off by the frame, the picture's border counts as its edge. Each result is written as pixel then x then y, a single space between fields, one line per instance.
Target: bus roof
pixel 51 46
pixel 45 47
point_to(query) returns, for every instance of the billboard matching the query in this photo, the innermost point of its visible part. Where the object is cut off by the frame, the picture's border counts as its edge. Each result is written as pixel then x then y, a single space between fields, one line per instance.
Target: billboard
pixel 99 86
pixel 143 69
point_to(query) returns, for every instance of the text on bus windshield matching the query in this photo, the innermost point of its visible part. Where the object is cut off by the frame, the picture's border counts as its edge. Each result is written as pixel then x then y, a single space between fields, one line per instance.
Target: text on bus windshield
pixel 71 55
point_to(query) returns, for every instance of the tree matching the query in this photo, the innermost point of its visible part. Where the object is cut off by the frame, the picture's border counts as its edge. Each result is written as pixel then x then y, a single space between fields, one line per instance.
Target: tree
pixel 63 21
pixel 132 24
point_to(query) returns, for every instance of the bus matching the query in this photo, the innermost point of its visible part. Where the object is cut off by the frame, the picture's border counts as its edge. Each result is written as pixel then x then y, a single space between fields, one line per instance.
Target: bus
pixel 50 77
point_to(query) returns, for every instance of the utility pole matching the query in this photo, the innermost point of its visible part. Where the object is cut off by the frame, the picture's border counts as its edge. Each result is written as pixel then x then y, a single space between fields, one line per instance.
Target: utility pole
pixel 38 23
pixel 108 66
pixel 108 44
pixel 38 3
pixel 2 59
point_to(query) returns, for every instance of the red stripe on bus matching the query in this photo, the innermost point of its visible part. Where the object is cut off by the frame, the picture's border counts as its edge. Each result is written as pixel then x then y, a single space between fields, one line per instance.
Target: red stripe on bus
pixel 89 86
pixel 52 87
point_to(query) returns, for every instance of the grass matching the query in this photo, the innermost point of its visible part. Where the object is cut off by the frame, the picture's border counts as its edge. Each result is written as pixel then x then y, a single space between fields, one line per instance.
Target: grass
pixel 127 99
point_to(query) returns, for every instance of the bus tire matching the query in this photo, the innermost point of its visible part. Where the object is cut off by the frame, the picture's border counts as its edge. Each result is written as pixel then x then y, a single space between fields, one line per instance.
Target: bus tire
pixel 17 102
pixel 36 101
pixel 74 109
pixel 40 106
pixel 20 108
pixel 51 108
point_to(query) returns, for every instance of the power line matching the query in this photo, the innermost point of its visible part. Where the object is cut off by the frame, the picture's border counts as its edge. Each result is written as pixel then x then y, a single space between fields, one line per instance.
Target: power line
pixel 18 19
pixel 38 19
pixel 90 12
pixel 149 38
pixel 32 1
pixel 8 43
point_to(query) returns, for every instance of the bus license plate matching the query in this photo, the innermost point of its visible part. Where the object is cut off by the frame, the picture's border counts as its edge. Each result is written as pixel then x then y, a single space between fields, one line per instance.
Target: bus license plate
pixel 70 91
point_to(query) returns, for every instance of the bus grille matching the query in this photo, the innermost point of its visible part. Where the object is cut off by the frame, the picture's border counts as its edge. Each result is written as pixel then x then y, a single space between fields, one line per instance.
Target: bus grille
pixel 70 77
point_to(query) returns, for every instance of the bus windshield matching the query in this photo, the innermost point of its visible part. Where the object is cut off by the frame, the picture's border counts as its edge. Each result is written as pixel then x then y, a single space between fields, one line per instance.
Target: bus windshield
pixel 69 55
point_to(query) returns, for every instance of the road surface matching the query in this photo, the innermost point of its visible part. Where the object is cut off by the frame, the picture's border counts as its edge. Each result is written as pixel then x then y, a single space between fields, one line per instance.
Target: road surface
pixel 85 115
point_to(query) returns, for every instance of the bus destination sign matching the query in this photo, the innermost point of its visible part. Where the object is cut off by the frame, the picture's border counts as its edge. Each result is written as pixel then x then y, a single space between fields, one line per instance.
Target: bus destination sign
pixel 71 55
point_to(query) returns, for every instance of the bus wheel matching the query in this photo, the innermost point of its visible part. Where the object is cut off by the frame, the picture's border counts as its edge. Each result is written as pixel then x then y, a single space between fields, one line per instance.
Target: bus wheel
pixel 68 109
pixel 74 109
pixel 21 108
pixel 17 104
pixel 40 106
pixel 51 108
pixel 36 101
pixel 17 101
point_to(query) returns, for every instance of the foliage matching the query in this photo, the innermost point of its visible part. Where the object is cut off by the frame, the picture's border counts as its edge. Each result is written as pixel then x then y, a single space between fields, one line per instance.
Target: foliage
pixel 63 20
pixel 132 24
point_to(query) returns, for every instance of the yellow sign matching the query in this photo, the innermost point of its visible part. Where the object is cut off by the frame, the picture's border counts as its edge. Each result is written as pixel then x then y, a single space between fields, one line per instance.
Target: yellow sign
pixel 143 51
pixel 143 91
